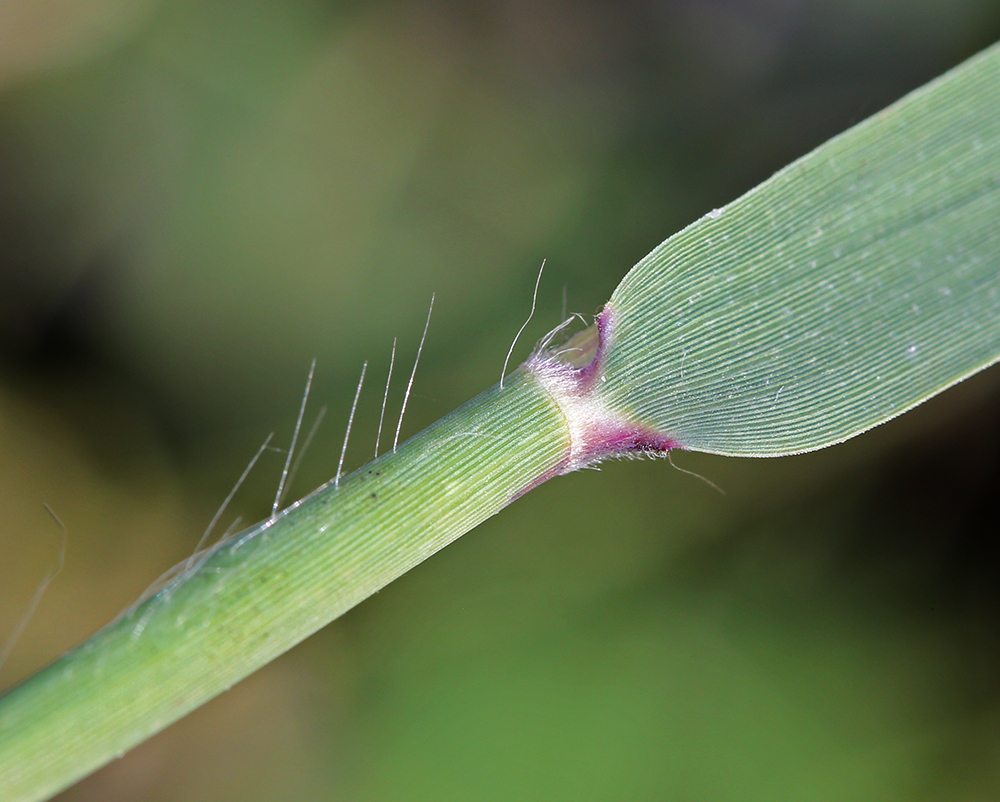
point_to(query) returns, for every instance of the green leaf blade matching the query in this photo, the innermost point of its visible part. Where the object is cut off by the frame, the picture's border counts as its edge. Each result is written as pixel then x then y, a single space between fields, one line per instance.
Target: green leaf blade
pixel 851 286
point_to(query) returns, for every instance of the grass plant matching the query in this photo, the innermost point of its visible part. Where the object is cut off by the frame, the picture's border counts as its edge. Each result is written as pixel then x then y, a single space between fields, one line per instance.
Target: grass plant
pixel 849 287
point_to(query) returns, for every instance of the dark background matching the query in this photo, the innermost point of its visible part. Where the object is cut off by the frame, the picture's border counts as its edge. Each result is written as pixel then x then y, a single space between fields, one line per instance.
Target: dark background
pixel 198 198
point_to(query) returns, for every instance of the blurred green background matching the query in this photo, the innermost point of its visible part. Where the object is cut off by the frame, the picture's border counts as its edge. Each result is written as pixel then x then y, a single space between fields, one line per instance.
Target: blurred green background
pixel 198 198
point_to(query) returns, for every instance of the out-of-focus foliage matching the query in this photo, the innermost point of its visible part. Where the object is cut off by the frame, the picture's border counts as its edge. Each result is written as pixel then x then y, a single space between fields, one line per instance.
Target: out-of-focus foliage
pixel 195 199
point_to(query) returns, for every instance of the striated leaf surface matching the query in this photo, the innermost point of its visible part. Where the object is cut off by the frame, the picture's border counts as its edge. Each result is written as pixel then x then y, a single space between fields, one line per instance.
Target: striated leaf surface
pixel 852 285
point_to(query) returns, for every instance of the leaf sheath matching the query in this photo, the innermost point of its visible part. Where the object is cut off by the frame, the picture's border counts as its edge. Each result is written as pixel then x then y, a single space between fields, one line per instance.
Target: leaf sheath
pixel 264 590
